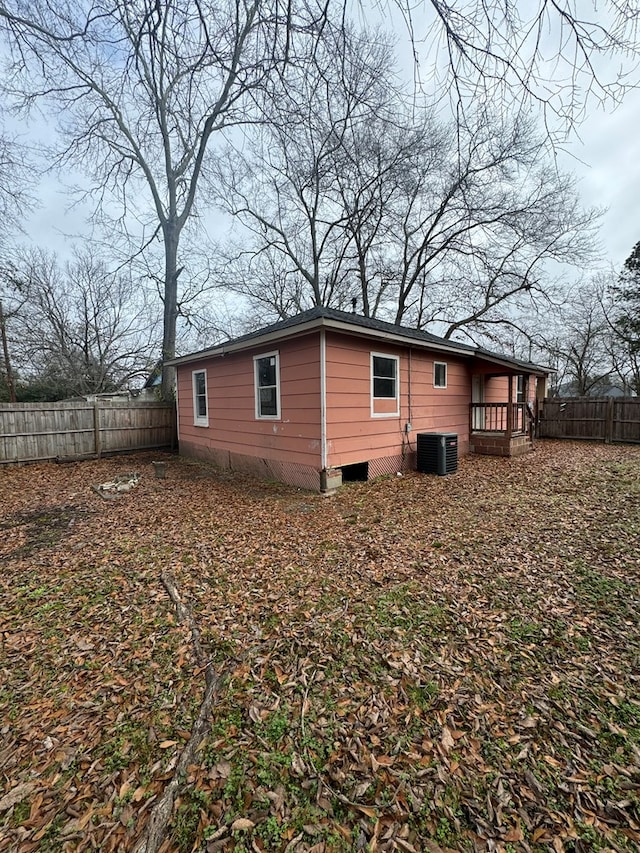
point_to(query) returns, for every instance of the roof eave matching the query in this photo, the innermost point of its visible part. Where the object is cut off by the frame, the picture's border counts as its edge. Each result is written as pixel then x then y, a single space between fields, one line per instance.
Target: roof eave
pixel 238 346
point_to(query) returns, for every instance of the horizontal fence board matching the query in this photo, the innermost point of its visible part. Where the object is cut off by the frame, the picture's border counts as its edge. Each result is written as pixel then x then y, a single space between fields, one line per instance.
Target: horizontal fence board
pixel 34 432
pixel 606 419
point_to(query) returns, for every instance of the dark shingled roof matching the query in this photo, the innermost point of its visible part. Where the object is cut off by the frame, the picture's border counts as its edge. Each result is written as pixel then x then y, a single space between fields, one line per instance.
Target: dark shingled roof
pixel 372 323
pixel 365 323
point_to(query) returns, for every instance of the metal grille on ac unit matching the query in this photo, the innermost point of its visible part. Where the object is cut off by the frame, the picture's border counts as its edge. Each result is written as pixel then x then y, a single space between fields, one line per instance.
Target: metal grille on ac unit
pixel 437 452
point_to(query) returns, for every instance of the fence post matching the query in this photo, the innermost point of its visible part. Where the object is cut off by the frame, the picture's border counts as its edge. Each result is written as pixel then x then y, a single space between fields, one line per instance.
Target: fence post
pixel 608 429
pixel 96 428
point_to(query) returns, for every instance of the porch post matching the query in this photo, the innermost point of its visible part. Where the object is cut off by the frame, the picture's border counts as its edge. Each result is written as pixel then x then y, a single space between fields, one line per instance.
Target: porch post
pixel 471 419
pixel 510 409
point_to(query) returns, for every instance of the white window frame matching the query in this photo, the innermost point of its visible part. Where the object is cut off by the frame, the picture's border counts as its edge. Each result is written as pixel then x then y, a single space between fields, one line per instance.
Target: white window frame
pixel 437 364
pixel 396 412
pixel 521 388
pixel 259 416
pixel 200 420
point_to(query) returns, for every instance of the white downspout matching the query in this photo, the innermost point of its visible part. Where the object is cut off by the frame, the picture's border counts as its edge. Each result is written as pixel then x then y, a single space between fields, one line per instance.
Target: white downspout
pixel 323 400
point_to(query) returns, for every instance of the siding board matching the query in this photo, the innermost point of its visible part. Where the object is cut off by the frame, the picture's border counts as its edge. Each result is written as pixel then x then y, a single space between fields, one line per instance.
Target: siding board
pixel 233 428
pixel 355 435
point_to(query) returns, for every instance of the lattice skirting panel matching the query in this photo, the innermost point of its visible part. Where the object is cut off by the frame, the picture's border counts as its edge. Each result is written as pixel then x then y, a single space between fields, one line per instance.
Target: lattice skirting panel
pixel 392 464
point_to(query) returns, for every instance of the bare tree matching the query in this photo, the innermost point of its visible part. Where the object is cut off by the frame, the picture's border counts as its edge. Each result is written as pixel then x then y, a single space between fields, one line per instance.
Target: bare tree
pixel 579 335
pixel 350 195
pixel 476 238
pixel 16 183
pixel 80 328
pixel 557 55
pixel 11 303
pixel 143 91
pixel 290 191
pixel 575 338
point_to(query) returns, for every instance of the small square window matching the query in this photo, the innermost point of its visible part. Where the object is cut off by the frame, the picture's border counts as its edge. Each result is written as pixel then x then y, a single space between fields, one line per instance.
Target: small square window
pixel 439 374
pixel 200 402
pixel 267 385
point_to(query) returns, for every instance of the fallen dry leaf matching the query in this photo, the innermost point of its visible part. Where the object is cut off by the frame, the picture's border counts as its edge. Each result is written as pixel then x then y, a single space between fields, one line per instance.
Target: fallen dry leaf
pixel 242 824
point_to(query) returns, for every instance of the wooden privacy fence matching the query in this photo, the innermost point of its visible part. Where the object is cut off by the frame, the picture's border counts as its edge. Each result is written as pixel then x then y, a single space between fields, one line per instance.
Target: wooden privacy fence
pixel 32 432
pixel 598 418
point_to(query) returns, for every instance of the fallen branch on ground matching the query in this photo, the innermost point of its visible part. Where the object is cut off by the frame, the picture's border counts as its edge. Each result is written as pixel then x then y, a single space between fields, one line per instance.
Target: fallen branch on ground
pixel 161 813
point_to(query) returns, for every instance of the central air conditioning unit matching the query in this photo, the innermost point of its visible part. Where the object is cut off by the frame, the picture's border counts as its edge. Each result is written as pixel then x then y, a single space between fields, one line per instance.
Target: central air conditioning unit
pixel 437 453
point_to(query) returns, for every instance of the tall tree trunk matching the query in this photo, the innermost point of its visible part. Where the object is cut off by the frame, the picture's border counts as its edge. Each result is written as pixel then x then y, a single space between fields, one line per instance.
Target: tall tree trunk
pixel 7 361
pixel 171 272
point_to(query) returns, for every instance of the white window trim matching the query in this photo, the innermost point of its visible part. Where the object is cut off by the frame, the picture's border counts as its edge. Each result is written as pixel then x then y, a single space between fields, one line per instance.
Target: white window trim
pixel 200 420
pixel 256 387
pixel 395 413
pixel 446 373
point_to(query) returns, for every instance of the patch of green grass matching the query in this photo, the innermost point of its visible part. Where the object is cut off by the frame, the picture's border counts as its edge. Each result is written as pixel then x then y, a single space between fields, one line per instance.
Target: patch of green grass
pixel 423 695
pixel 559 692
pixel 318 751
pixel 627 715
pixel 590 836
pixel 275 727
pixel 21 812
pixel 494 750
pixel 186 819
pixel 271 832
pixel 524 631
pixel 234 788
pixel 224 726
pixel 50 841
pixel 272 768
pixel 403 609
pixel 337 843
pixel 48 608
pixel 445 832
pixel 607 595
pixel 582 643
pixel 129 743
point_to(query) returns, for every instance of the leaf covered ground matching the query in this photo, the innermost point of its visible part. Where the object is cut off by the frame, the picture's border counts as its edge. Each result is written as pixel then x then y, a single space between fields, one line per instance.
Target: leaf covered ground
pixel 413 664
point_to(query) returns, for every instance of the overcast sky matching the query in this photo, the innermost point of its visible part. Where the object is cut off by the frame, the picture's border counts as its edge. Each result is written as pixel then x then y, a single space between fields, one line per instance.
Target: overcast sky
pixel 604 155
pixel 606 159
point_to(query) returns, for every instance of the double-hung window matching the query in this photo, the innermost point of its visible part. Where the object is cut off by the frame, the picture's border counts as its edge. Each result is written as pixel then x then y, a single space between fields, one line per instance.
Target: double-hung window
pixel 439 374
pixel 267 385
pixel 200 402
pixel 385 391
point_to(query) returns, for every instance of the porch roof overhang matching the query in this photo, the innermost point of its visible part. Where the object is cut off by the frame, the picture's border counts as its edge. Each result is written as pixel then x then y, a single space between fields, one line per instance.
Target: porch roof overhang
pixel 506 366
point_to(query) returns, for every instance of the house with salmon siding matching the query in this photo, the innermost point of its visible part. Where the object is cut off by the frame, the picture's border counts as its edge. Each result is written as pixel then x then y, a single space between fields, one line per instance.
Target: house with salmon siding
pixel 328 396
